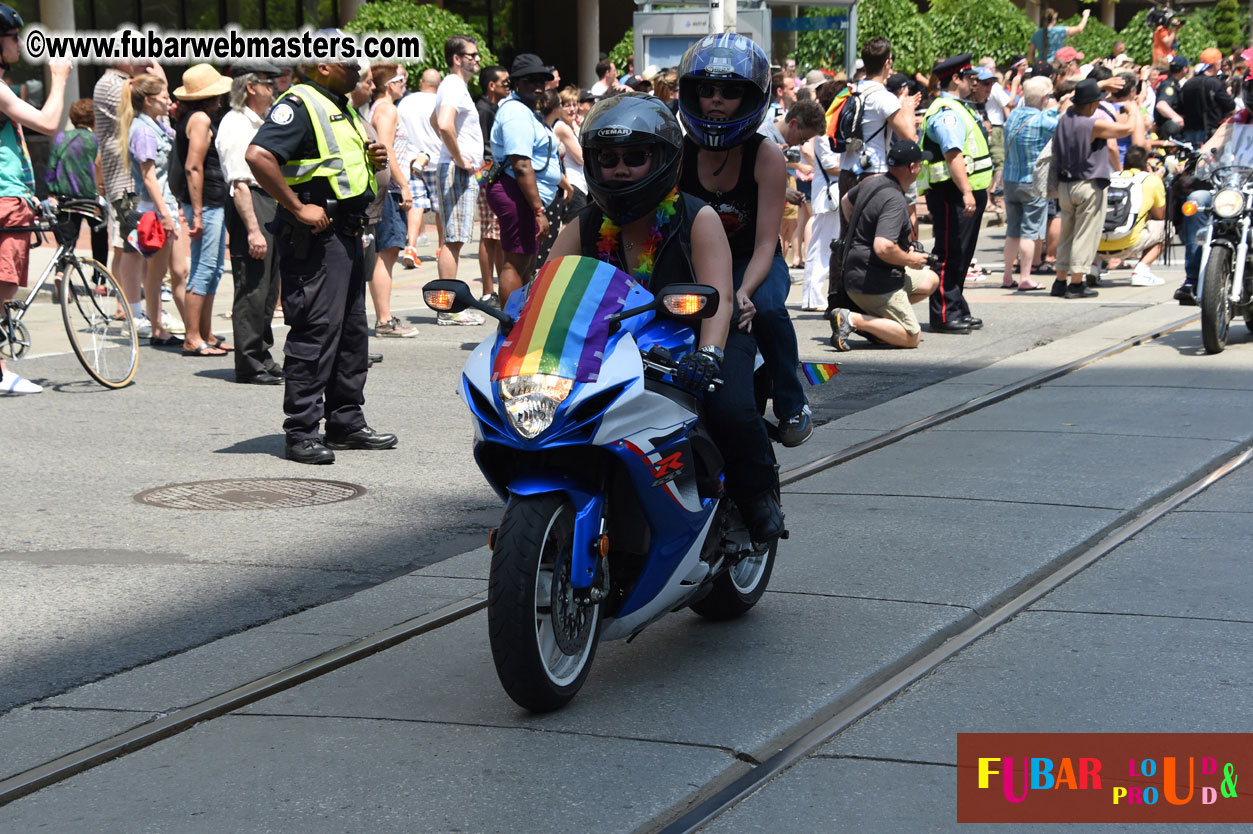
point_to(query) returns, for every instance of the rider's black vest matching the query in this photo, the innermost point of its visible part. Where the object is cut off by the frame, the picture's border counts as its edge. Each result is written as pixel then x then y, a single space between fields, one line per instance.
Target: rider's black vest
pixel 674 255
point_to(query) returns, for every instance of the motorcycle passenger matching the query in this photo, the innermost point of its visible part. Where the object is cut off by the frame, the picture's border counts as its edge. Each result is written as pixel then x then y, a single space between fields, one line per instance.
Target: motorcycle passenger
pixel 642 223
pixel 1194 224
pixel 724 87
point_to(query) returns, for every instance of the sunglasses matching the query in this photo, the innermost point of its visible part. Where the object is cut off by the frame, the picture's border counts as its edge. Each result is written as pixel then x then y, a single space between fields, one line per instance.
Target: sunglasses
pixel 633 158
pixel 730 92
pixel 474 56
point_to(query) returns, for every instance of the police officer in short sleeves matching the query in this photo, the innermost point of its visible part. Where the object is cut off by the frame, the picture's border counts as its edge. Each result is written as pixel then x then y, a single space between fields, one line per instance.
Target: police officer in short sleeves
pixel 312 156
pixel 956 186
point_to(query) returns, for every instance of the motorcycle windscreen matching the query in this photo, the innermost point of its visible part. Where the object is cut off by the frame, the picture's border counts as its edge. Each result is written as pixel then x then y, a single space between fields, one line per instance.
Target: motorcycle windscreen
pixel 563 328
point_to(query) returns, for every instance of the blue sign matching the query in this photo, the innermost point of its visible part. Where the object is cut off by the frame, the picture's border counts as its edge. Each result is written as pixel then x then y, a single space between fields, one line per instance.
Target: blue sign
pixel 809 24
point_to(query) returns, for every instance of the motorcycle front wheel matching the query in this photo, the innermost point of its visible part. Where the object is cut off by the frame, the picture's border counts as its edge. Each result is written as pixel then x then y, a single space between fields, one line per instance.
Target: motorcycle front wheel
pixel 543 642
pixel 1216 300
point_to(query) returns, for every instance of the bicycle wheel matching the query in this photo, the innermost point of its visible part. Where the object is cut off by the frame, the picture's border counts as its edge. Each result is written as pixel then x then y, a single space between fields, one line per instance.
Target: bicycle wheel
pixel 107 347
pixel 13 348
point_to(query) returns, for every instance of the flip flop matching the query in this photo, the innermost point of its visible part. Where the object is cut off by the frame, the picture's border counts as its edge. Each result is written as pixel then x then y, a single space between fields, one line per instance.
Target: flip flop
pixel 204 350
pixel 1021 288
pixel 221 345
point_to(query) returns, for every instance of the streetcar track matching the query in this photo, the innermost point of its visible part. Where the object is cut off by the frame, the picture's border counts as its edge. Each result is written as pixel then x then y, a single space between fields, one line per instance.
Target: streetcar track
pixel 173 723
pixel 799 744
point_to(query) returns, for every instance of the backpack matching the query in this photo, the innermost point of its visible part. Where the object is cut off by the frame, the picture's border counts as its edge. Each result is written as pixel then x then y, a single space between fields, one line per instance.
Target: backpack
pixel 848 124
pixel 1123 199
pixel 1044 174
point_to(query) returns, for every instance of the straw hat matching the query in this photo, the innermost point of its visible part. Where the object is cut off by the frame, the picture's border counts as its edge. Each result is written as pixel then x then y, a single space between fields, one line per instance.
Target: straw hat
pixel 202 81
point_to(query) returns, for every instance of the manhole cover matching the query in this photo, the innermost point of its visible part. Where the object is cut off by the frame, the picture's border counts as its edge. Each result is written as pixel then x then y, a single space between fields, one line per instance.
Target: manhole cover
pixel 250 494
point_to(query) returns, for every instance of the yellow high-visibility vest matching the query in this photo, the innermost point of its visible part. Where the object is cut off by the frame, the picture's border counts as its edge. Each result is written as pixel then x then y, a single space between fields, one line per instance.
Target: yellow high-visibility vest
pixel 974 150
pixel 342 159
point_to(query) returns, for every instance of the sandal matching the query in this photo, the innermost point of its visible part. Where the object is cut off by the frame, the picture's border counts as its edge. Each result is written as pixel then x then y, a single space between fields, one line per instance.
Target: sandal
pixel 168 341
pixel 204 350
pixel 1045 268
pixel 221 345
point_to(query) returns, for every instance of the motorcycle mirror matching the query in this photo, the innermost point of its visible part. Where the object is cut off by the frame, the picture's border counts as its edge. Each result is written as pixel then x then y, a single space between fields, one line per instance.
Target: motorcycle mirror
pixel 697 301
pixel 455 296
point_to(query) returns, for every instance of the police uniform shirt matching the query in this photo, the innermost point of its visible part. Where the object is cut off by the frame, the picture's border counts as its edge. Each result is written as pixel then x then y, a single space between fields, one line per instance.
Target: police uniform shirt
pixel 1169 93
pixel 946 129
pixel 288 134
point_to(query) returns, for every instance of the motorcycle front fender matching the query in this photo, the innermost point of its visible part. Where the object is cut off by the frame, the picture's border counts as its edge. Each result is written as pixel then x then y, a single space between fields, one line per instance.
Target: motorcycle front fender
pixel 1211 242
pixel 589 506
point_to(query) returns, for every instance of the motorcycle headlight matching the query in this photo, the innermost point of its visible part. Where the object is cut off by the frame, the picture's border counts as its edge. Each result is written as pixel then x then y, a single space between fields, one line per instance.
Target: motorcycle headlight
pixel 531 401
pixel 1228 203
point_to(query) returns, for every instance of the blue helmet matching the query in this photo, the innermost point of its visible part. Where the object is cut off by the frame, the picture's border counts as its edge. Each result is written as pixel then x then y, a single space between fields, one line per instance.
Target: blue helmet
pixel 726 57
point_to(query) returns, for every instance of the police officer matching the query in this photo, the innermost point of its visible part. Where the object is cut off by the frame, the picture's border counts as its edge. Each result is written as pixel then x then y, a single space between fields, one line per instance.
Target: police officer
pixel 956 187
pixel 312 155
pixel 1166 115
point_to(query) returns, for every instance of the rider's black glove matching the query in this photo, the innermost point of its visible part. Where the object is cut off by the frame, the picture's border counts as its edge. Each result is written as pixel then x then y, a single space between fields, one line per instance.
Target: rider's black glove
pixel 699 368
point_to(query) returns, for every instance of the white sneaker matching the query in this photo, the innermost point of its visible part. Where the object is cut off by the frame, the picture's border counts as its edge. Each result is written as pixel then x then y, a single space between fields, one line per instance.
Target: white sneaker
pixel 466 318
pixel 1144 278
pixel 423 240
pixel 143 327
pixel 166 294
pixel 11 383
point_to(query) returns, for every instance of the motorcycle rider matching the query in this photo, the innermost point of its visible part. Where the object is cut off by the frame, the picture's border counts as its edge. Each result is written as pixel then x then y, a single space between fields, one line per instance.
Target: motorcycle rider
pixel 724 86
pixel 640 222
pixel 1194 224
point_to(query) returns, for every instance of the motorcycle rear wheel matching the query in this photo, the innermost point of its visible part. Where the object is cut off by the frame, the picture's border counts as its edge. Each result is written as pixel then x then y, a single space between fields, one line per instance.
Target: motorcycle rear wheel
pixel 542 641
pixel 736 591
pixel 1216 300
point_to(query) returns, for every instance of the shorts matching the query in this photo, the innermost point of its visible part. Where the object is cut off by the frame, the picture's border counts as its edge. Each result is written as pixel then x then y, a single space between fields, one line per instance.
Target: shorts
pixel 517 219
pixel 458 191
pixel 1153 233
pixel 1026 215
pixel 15 247
pixel 489 226
pixel 893 305
pixel 392 230
pixel 431 183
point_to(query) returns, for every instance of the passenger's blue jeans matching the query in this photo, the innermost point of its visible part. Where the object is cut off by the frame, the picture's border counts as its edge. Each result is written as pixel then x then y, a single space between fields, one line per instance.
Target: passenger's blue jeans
pixel 776 337
pixel 208 254
pixel 1193 226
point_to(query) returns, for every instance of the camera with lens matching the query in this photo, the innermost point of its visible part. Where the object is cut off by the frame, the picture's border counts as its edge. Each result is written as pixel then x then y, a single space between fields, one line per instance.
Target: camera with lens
pixel 792 155
pixel 1160 16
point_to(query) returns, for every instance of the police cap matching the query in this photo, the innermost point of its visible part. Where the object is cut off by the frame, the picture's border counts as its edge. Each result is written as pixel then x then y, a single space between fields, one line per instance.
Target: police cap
pixel 949 67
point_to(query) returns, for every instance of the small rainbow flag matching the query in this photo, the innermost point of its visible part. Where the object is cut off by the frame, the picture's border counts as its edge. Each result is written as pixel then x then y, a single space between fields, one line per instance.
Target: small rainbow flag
pixel 563 328
pixel 819 372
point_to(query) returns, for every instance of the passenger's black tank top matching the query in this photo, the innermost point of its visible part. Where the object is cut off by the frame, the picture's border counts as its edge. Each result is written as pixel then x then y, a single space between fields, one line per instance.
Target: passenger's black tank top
pixel 673 264
pixel 736 208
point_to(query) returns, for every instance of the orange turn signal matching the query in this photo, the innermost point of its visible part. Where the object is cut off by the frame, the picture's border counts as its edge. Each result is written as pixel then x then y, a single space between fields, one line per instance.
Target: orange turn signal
pixel 684 305
pixel 491 539
pixel 602 546
pixel 441 300
pixel 1189 208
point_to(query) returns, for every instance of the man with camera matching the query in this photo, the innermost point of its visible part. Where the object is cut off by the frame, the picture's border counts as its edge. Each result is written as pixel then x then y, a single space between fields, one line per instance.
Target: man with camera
pixel 877 253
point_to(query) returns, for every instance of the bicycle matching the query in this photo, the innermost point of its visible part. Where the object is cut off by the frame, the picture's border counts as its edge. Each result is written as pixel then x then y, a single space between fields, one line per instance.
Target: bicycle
pixel 104 340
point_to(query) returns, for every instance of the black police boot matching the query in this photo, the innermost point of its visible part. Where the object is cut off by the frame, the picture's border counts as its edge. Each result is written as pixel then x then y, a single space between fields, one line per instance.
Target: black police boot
pixel 363 438
pixel 1186 294
pixel 763 516
pixel 310 450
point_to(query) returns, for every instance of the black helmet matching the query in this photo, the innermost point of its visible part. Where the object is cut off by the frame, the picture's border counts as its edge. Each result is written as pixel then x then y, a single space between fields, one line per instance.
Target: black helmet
pixel 726 57
pixel 623 121
pixel 10 20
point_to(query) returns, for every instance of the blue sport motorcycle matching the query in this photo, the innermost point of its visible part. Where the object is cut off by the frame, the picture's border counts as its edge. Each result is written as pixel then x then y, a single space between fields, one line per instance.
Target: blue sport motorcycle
pixel 615 513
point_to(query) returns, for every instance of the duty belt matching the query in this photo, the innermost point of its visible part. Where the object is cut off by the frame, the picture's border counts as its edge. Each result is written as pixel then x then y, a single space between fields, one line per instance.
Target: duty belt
pixel 351 225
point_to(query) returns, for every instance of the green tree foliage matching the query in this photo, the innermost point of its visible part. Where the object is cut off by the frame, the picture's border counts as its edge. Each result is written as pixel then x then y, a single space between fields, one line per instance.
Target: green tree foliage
pixel 435 24
pixel 1227 29
pixel 988 27
pixel 1095 41
pixel 897 20
pixel 624 49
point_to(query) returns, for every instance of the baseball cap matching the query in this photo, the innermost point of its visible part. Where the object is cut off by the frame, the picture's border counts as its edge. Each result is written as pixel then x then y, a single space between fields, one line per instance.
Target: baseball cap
pixel 985 74
pixel 906 151
pixel 1178 62
pixel 1211 56
pixel 1067 54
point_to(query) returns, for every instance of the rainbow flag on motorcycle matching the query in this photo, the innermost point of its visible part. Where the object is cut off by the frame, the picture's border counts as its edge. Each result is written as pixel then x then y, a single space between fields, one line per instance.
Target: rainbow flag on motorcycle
pixel 563 328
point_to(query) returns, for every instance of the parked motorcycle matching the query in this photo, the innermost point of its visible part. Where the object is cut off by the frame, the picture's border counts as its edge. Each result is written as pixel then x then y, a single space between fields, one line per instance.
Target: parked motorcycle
pixel 615 513
pixel 1225 287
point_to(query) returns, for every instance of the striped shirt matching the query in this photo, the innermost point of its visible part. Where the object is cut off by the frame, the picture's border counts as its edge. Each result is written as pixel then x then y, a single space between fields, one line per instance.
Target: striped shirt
pixel 106 97
pixel 1027 130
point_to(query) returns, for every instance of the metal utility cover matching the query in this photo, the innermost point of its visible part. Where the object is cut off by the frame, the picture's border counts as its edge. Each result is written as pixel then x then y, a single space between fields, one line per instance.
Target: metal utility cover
pixel 250 494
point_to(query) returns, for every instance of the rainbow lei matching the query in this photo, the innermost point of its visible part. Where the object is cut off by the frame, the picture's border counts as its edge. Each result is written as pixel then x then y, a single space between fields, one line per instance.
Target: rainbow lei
pixel 607 246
